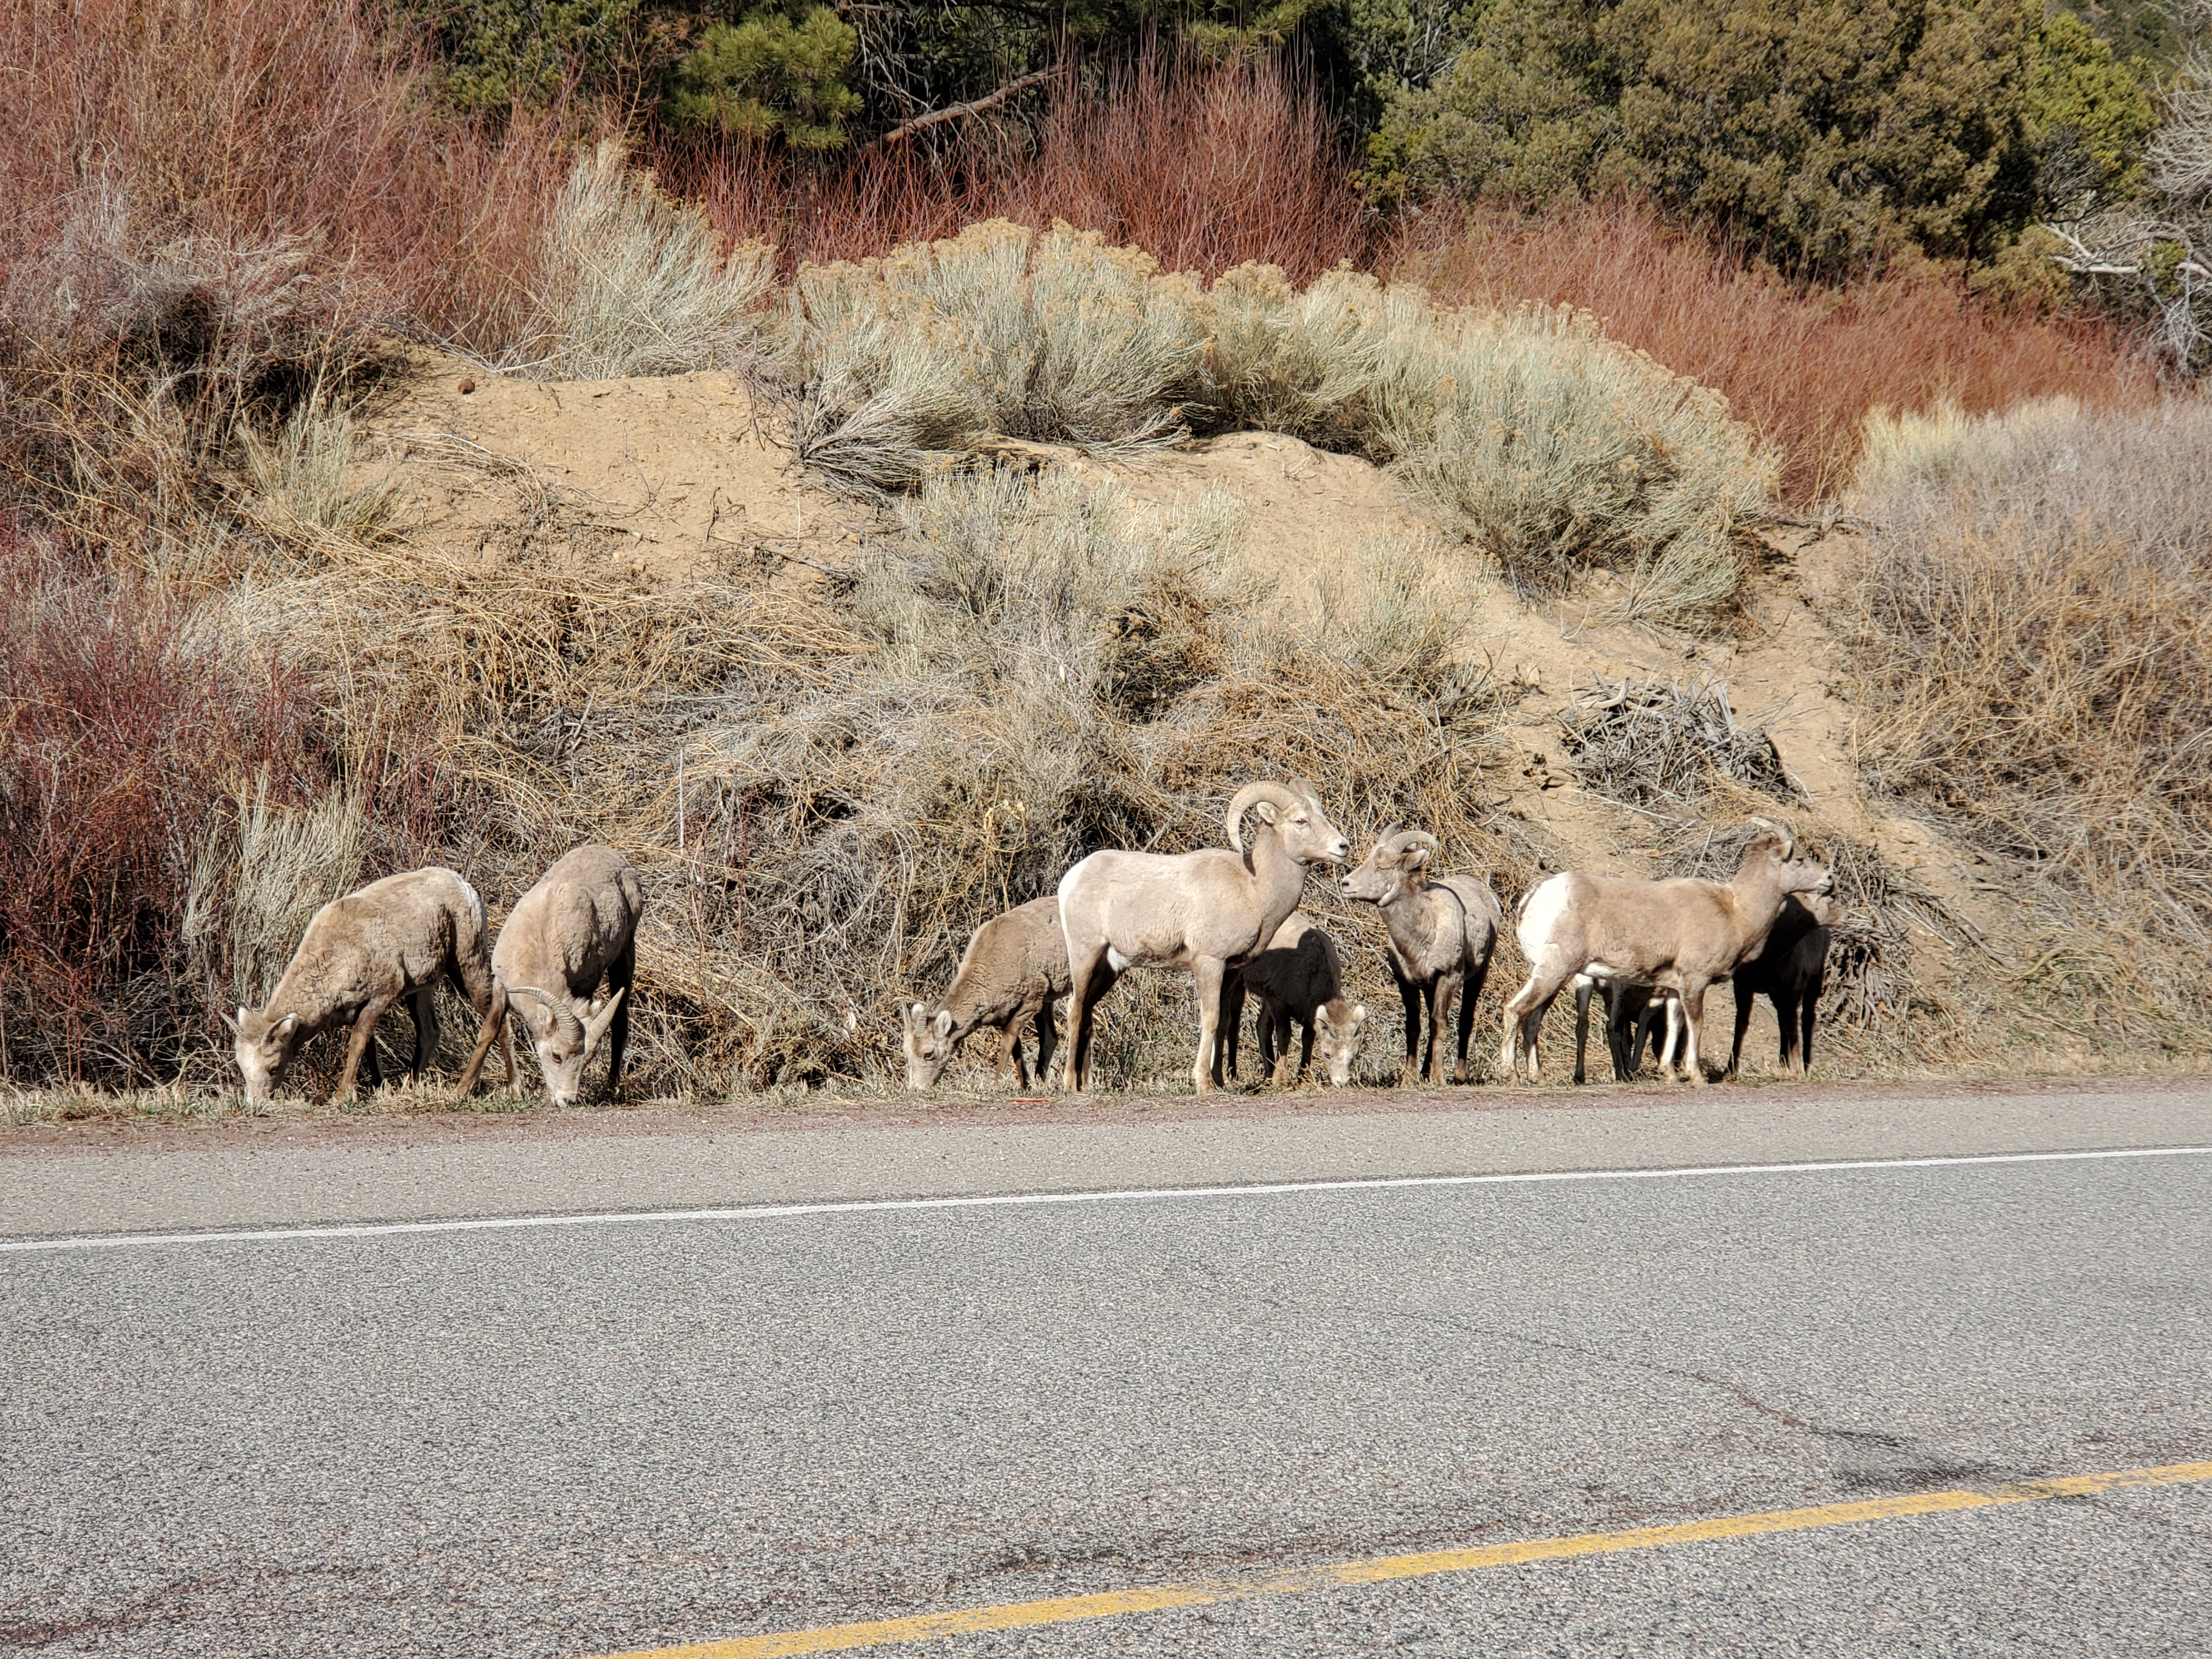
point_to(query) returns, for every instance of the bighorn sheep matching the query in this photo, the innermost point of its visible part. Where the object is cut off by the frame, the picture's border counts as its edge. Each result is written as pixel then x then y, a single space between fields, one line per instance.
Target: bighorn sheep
pixel 577 926
pixel 1207 911
pixel 1442 931
pixel 360 954
pixel 1791 970
pixel 1298 976
pixel 1014 969
pixel 1680 935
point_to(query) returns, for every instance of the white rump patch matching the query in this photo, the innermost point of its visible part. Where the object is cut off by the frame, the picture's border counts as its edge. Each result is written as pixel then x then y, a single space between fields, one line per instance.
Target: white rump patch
pixel 1115 960
pixel 1540 915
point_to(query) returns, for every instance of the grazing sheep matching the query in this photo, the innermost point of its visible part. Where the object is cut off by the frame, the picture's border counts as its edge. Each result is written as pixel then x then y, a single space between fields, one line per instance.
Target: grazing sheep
pixel 1298 976
pixel 1207 911
pixel 1442 931
pixel 576 927
pixel 1791 970
pixel 1014 969
pixel 1680 935
pixel 360 954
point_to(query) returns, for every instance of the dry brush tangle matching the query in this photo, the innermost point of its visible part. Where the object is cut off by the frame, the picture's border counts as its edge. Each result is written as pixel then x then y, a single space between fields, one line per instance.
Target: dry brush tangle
pixel 2030 641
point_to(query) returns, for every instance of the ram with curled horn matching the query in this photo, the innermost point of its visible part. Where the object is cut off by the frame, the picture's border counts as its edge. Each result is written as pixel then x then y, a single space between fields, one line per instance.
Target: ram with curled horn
pixel 1205 912
pixel 573 932
pixel 1442 929
pixel 1679 936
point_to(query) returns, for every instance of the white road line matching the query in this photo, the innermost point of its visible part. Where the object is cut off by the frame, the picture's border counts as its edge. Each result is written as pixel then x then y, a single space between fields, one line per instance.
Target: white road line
pixel 1010 1201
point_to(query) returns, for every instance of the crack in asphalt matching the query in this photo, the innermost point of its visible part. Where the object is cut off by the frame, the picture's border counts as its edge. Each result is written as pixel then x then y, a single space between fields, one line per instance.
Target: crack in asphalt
pixel 1926 1473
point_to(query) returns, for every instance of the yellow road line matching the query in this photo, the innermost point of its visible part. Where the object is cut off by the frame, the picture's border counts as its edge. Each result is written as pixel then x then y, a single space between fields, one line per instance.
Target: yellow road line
pixel 1069 1609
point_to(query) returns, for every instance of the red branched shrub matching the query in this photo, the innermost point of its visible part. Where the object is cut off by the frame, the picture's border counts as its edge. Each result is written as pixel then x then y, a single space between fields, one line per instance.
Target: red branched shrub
pixel 1802 365
pixel 1205 167
pixel 134 123
pixel 123 725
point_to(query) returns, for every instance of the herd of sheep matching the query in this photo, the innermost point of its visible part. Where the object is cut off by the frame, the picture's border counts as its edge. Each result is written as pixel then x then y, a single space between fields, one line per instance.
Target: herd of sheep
pixel 563 963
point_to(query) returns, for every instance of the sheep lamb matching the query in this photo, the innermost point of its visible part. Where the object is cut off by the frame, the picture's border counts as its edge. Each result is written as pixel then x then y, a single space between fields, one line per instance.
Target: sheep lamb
pixel 1299 977
pixel 1014 970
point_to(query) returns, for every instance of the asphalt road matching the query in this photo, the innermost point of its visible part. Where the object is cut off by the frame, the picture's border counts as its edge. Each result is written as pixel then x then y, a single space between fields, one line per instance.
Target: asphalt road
pixel 573 1440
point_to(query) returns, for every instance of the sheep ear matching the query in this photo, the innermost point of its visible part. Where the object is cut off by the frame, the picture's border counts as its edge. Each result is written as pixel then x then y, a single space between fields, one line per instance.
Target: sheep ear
pixel 1358 1014
pixel 1266 810
pixel 944 1022
pixel 909 1014
pixel 1416 858
pixel 283 1027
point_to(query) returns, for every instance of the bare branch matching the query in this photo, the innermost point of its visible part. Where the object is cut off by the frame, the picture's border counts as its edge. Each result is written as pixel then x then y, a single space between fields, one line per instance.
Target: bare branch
pixel 906 130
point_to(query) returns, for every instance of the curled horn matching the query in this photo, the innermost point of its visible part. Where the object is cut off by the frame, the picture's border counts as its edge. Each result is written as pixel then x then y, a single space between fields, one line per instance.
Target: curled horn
pixel 1273 794
pixel 564 1014
pixel 1788 840
pixel 1407 840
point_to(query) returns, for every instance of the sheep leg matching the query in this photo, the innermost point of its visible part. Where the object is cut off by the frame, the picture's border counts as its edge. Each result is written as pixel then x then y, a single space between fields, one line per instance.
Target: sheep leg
pixel 1046 1039
pixel 362 1044
pixel 1305 1045
pixel 1088 982
pixel 1744 999
pixel 1524 1012
pixel 621 973
pixel 1809 1010
pixel 1693 1010
pixel 1584 987
pixel 1209 971
pixel 494 1026
pixel 1410 995
pixel 1468 995
pixel 1440 1001
pixel 1786 1018
pixel 424 1006
pixel 1232 1024
pixel 1010 1050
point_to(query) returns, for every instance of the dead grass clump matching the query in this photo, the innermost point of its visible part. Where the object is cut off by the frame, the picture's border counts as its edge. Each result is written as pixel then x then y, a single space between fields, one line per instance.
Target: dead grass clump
pixel 2030 634
pixel 631 282
pixel 1651 745
pixel 250 125
pixel 1802 364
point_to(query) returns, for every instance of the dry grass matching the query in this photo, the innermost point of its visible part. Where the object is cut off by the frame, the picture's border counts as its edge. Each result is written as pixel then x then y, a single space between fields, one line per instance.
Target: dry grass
pixel 628 281
pixel 2030 638
pixel 1802 365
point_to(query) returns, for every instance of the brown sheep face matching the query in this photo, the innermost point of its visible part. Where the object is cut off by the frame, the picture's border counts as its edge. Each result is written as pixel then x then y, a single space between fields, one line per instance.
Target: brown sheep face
pixel 1385 876
pixel 1801 875
pixel 564 1035
pixel 927 1044
pixel 263 1047
pixel 1336 1042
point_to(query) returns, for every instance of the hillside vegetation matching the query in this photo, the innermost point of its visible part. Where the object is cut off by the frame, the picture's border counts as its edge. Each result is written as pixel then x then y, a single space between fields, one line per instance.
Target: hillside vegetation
pixel 985 574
